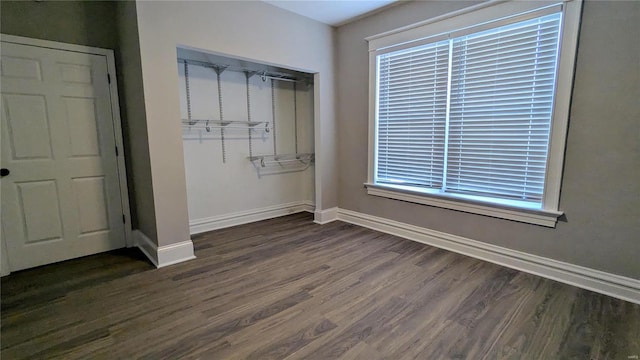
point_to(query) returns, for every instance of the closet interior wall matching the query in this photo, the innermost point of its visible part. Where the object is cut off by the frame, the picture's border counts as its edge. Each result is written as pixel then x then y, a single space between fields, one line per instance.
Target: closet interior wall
pixel 218 190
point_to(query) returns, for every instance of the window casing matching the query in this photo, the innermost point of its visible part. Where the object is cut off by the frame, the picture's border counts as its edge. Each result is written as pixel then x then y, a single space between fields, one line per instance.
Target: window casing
pixel 469 111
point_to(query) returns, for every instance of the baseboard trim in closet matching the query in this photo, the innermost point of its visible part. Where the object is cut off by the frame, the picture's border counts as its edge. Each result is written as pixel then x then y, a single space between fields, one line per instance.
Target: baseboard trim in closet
pixel 244 217
pixel 617 286
pixel 164 255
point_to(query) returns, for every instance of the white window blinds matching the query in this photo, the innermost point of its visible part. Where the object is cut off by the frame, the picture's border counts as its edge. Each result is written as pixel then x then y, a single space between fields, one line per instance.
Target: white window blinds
pixel 412 101
pixel 471 114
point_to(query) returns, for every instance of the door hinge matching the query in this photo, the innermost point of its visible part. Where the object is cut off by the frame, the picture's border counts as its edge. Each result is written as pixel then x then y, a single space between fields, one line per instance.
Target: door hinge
pixel 124 220
pixel 116 151
pixel 109 78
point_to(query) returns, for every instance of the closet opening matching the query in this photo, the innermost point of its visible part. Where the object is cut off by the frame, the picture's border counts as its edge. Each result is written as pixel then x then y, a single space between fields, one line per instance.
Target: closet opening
pixel 248 138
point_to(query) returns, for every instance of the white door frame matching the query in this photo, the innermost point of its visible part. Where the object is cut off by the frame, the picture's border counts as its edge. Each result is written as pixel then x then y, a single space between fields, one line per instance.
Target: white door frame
pixel 115 118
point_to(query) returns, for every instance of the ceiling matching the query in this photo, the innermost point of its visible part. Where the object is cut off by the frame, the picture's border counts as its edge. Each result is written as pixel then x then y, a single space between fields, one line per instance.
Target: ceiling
pixel 331 12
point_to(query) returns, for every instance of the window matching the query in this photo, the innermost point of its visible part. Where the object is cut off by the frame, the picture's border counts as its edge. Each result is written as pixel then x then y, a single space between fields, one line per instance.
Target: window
pixel 474 118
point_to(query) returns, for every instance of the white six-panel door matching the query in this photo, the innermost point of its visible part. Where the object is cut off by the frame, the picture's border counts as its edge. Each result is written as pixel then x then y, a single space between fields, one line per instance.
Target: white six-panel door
pixel 61 199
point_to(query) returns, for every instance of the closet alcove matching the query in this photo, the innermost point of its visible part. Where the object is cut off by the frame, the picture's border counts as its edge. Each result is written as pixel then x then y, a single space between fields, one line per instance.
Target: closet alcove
pixel 248 138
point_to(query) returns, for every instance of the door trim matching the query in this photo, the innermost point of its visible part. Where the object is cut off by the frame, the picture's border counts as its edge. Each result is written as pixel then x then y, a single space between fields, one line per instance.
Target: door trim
pixel 115 119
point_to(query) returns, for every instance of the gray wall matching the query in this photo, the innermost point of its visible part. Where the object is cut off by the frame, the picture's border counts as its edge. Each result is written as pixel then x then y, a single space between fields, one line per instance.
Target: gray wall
pixel 134 117
pixel 601 182
pixel 109 25
pixel 89 23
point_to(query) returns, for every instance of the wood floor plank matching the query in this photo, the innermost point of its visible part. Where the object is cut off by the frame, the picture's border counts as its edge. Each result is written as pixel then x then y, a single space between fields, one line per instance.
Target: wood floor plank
pixel 290 288
pixel 302 337
pixel 541 332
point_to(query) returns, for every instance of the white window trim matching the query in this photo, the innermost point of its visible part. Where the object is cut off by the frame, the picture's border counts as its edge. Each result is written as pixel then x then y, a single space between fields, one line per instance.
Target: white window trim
pixel 532 216
pixel 411 35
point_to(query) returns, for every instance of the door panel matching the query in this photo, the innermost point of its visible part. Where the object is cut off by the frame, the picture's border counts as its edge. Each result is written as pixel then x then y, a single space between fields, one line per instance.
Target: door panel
pixel 81 123
pixel 75 73
pixel 62 197
pixel 28 126
pixel 40 207
pixel 92 203
pixel 21 68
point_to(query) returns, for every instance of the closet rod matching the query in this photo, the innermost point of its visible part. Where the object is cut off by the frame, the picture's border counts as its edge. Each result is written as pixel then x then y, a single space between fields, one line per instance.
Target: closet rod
pixel 303 157
pixel 265 162
pixel 217 124
pixel 265 74
pixel 222 122
pixel 216 127
pixel 284 161
pixel 282 79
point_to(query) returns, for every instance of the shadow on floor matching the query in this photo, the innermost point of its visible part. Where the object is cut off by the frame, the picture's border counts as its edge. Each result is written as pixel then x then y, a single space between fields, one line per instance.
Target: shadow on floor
pixel 50 282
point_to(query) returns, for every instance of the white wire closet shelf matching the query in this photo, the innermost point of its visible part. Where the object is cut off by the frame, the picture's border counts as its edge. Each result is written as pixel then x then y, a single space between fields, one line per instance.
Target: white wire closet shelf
pixel 263 74
pixel 208 124
pixel 282 159
pixel 278 162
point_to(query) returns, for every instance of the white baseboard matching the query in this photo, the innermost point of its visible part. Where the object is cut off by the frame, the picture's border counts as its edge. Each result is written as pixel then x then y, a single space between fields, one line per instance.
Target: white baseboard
pixel 325 216
pixel 244 217
pixel 148 247
pixel 599 281
pixel 164 255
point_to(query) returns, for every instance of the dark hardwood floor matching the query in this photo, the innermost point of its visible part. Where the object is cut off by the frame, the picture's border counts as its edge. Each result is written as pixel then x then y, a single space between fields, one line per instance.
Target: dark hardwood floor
pixel 288 288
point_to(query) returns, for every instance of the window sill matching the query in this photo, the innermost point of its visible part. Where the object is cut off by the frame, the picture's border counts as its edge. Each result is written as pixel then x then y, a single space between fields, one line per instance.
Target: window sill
pixel 546 218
